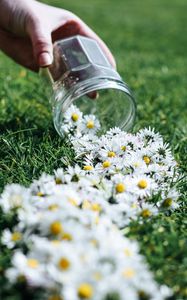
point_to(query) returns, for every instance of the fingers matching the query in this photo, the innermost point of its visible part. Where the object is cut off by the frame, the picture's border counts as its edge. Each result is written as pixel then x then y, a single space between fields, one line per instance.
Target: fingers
pixel 18 48
pixel 40 35
pixel 41 42
pixel 76 26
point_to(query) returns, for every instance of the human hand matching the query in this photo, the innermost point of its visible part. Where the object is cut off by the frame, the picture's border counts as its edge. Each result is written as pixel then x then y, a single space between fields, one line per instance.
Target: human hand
pixel 28 29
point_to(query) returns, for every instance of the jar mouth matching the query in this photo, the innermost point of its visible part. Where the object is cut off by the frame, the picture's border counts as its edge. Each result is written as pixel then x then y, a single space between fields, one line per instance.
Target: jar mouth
pixel 115 106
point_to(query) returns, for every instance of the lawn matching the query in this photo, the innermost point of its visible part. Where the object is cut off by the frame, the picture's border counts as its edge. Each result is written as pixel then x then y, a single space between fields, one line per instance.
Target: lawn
pixel 148 39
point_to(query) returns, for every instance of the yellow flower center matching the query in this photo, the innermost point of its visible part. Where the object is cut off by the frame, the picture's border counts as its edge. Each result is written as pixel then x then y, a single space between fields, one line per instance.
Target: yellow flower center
pixel 85 291
pixel 67 236
pixel 16 200
pixel 21 278
pixel 97 220
pixel 96 207
pixel 16 236
pixel 86 204
pixel 146 213
pixel 53 207
pixel 136 165
pixel 88 168
pixel 111 154
pixel 142 184
pixel 106 164
pixel 56 228
pixel 32 263
pixel 129 273
pixel 147 160
pixel 120 187
pixel 58 181
pixel 94 242
pixel 74 117
pixel 64 264
pixel 72 201
pixel 134 205
pixel 167 202
pixel 123 148
pixel 90 124
pixel 142 295
pixel 40 194
pixel 127 252
pixel 55 242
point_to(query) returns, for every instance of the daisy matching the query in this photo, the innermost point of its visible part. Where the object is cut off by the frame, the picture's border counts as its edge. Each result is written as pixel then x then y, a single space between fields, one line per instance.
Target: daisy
pixel 73 115
pixel 90 124
pixel 148 210
pixel 149 136
pixel 28 267
pixel 59 176
pixel 10 239
pixel 45 185
pixel 113 131
pixel 108 149
pixel 142 186
pixel 105 167
pixel 14 196
pixel 85 145
pixel 170 200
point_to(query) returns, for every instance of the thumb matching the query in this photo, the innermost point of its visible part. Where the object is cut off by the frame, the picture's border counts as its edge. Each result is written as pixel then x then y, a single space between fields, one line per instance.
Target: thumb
pixel 42 44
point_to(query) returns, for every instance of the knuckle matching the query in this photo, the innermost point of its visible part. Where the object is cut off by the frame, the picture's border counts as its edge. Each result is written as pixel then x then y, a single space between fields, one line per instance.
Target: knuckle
pixel 41 43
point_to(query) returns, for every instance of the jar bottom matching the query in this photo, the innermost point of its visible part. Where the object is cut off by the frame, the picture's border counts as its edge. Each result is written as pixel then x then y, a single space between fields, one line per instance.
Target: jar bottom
pixel 115 106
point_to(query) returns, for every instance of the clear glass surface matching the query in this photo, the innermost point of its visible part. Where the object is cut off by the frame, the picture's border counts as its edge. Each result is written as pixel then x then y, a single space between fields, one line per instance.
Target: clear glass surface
pixel 81 67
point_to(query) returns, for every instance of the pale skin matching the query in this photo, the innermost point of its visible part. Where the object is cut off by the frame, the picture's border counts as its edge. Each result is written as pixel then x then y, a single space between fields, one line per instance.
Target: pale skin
pixel 28 29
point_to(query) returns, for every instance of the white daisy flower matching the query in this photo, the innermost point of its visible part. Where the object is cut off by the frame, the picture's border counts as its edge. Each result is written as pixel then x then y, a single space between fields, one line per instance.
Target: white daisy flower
pixel 85 145
pixel 108 149
pixel 10 239
pixel 170 200
pixel 148 210
pixel 142 186
pixel 113 131
pixel 148 136
pixel 45 185
pixel 73 115
pixel 105 167
pixel 28 267
pixel 13 197
pixel 90 124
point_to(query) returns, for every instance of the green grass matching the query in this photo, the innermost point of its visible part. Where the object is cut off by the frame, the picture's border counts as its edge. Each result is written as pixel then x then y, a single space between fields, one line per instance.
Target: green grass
pixel 148 39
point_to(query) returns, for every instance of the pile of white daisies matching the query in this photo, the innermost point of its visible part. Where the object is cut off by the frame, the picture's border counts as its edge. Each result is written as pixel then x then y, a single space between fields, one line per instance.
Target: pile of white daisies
pixel 67 240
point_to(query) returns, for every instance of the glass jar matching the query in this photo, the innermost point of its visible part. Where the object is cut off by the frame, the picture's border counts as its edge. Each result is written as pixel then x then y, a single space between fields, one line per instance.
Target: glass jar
pixel 79 68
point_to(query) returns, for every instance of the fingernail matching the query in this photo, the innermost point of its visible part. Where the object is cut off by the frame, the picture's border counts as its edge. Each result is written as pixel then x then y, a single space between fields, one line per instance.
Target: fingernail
pixel 97 95
pixel 93 95
pixel 45 59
